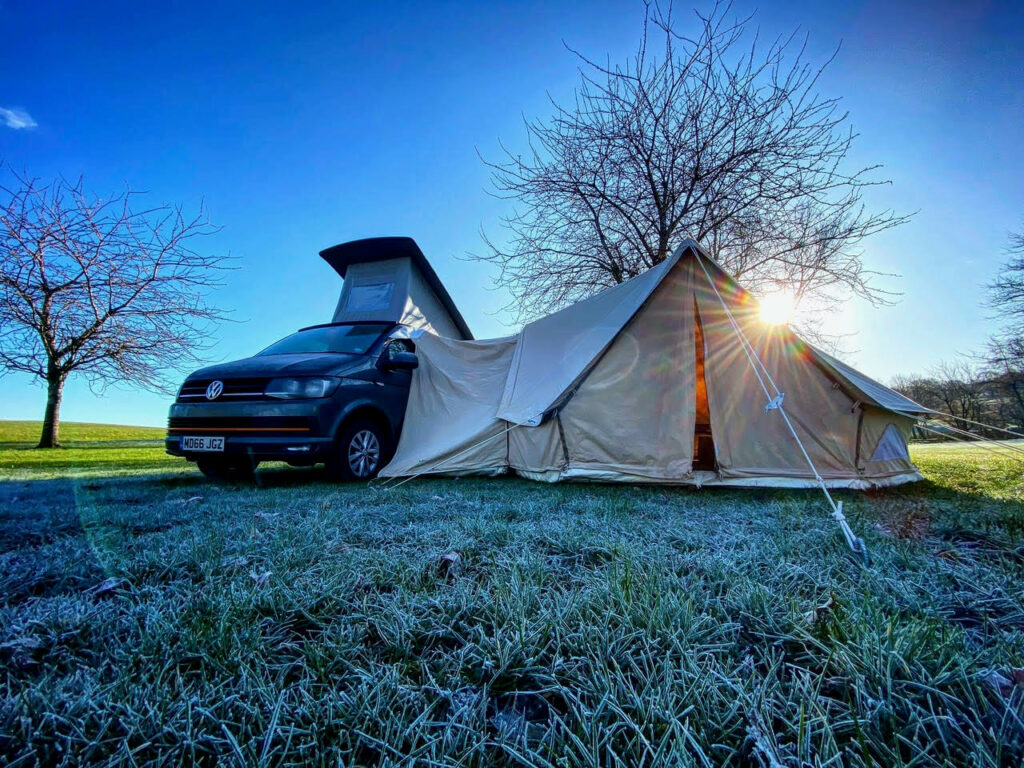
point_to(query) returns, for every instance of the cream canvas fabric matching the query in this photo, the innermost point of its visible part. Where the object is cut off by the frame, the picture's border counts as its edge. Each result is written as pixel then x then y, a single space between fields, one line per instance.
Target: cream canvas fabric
pixel 552 352
pixel 450 421
pixel 608 390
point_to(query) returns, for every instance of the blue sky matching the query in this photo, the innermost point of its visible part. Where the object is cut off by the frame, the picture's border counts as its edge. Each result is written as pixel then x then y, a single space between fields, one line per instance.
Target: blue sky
pixel 304 125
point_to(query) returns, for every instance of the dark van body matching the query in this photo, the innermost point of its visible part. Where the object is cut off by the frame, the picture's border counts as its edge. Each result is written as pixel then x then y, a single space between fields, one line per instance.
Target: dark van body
pixel 333 393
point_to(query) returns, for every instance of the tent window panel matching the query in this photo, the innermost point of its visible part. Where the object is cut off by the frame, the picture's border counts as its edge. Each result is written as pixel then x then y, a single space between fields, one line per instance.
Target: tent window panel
pixel 370 297
pixel 891 446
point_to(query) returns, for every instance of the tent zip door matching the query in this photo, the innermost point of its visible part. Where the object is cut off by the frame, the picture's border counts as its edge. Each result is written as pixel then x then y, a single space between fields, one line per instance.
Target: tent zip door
pixel 703 441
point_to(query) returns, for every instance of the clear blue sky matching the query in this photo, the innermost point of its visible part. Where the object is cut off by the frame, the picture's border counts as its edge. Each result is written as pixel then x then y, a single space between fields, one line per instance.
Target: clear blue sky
pixel 302 126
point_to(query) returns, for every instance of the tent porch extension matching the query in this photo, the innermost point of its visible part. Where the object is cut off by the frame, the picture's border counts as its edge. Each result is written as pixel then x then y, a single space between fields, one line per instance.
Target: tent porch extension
pixel 654 381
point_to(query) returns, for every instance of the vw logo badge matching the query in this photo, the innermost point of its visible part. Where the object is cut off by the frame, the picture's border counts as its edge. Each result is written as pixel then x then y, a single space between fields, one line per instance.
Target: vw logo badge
pixel 213 391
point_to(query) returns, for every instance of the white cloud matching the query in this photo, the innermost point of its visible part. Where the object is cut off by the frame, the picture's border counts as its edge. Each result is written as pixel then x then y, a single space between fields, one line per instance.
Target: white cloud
pixel 16 118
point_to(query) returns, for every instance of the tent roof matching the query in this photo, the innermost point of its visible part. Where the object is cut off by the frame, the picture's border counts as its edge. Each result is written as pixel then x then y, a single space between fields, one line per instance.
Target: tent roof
pixel 864 386
pixel 372 249
pixel 869 388
pixel 555 351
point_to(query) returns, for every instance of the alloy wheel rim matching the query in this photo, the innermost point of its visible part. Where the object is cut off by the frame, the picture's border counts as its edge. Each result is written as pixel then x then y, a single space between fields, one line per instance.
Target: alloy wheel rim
pixel 363 453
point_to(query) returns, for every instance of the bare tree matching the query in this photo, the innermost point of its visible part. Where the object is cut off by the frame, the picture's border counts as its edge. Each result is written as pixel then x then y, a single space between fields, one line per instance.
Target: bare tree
pixel 1006 292
pixel 961 390
pixel 964 391
pixel 95 287
pixel 715 137
pixel 1005 354
pixel 991 390
pixel 1005 374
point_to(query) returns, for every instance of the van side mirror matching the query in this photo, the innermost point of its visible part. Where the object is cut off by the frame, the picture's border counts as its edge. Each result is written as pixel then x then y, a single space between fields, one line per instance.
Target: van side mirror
pixel 401 361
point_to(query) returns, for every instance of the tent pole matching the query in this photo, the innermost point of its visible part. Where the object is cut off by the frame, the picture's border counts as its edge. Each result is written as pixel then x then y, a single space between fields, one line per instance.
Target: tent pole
pixel 776 403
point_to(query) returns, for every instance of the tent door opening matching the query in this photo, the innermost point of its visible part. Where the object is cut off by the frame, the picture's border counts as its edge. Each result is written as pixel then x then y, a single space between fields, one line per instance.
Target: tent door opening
pixel 703 441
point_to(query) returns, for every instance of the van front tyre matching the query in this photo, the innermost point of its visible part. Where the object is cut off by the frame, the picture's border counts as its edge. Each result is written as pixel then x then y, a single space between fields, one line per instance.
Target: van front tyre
pixel 359 453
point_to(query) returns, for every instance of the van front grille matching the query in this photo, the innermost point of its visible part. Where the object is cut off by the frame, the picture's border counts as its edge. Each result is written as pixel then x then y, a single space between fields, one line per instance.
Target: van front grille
pixel 235 390
pixel 261 425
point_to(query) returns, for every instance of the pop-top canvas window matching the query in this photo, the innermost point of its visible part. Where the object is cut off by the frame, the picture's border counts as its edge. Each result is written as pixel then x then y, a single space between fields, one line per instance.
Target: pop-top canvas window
pixel 890 446
pixel 370 297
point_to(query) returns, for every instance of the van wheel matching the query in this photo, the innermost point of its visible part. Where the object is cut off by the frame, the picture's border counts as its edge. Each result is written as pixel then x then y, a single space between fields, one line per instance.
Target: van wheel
pixel 223 471
pixel 359 453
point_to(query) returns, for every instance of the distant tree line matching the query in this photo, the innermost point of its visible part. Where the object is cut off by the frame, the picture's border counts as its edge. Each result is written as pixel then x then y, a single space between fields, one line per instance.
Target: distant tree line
pixel 988 387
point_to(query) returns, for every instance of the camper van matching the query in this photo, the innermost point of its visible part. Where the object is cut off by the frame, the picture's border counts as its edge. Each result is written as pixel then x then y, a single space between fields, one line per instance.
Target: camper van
pixel 333 393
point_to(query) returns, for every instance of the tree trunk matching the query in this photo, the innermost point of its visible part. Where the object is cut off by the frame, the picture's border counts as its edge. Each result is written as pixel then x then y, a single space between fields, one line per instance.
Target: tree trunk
pixel 51 417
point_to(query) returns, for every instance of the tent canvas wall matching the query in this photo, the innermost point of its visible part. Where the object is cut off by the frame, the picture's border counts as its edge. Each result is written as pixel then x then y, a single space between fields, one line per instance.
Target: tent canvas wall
pixel 651 381
pixel 389 279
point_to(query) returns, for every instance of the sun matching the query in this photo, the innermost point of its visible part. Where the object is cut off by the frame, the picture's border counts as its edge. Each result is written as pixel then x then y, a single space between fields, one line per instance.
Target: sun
pixel 777 308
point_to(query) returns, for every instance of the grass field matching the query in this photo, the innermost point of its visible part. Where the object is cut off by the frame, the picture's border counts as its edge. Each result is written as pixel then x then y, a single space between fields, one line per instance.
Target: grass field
pixel 88 449
pixel 150 618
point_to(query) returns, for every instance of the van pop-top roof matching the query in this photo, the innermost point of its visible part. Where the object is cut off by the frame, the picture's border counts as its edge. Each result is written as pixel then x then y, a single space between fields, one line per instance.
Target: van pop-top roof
pixel 389 279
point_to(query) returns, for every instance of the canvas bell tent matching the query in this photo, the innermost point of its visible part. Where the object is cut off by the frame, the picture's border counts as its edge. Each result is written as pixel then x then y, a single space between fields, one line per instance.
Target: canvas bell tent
pixel 389 279
pixel 670 377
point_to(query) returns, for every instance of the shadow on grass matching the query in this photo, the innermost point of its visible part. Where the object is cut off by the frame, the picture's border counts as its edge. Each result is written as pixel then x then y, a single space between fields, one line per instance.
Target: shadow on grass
pixel 39 511
pixel 36 511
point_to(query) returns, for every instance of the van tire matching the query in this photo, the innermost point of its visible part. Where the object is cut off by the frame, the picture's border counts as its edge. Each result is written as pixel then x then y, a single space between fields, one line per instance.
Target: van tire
pixel 360 452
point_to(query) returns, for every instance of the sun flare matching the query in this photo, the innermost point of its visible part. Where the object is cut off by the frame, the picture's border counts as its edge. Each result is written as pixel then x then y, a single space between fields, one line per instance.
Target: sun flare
pixel 777 308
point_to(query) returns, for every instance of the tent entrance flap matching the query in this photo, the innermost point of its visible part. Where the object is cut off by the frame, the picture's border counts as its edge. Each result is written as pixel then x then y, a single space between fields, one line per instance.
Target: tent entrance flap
pixel 703 439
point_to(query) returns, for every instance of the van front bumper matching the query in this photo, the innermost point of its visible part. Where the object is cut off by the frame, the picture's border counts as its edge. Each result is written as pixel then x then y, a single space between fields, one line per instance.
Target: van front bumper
pixel 295 450
pixel 296 432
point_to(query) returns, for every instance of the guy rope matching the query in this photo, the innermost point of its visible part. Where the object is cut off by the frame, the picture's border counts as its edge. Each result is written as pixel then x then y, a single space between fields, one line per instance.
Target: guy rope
pixel 775 403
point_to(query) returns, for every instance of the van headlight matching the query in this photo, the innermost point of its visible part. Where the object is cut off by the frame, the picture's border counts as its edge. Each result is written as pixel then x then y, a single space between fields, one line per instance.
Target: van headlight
pixel 306 388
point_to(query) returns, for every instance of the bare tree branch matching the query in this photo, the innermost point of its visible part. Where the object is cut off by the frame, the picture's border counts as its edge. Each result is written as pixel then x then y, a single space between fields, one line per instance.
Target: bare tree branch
pixel 94 287
pixel 1006 292
pixel 718 138
pixel 1005 353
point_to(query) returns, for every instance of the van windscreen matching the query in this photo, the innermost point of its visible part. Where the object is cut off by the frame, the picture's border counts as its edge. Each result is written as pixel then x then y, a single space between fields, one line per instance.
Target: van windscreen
pixel 344 339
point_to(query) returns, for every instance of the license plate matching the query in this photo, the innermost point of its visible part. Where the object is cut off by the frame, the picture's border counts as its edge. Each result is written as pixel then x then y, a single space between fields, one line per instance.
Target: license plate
pixel 202 444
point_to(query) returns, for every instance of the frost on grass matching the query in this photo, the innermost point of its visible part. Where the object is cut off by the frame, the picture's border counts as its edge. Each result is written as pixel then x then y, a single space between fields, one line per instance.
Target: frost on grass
pixel 500 622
